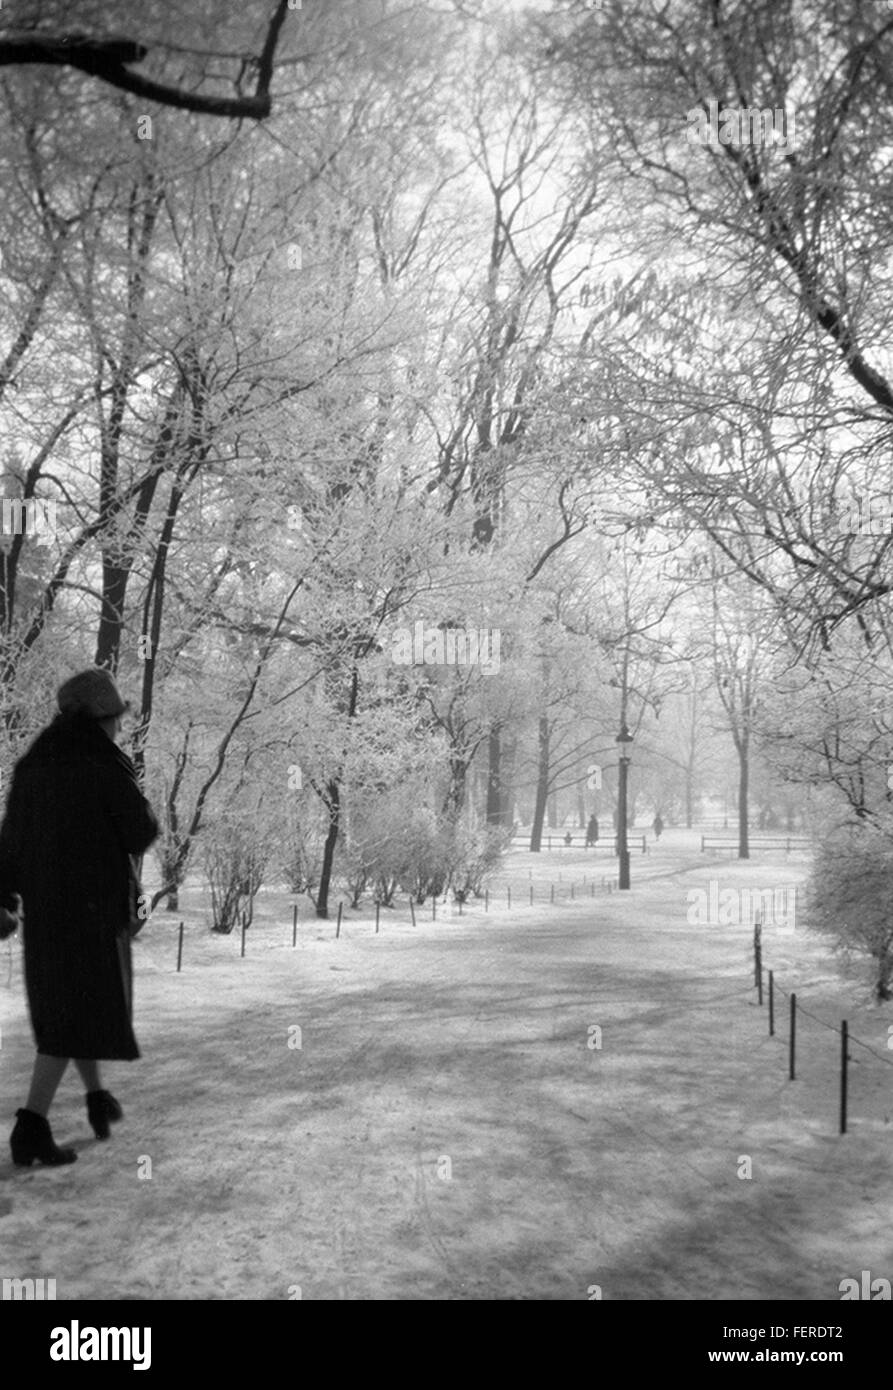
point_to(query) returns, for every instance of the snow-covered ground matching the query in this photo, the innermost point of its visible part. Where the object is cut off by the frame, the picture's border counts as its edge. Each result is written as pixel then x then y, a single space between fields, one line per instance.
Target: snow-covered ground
pixel 449 1127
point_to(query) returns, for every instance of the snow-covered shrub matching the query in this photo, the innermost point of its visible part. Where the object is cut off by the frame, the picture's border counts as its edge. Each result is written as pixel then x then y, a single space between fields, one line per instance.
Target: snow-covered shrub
pixel 477 853
pixel 445 853
pixel 425 868
pixel 850 897
pixel 302 861
pixel 234 858
pixel 392 840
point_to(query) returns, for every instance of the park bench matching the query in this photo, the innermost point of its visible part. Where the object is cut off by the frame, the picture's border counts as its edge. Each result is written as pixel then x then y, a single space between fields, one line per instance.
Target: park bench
pixel 785 842
pixel 579 842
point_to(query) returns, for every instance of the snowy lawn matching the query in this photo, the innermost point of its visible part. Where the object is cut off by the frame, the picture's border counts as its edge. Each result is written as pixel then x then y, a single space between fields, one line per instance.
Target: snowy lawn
pixel 448 1127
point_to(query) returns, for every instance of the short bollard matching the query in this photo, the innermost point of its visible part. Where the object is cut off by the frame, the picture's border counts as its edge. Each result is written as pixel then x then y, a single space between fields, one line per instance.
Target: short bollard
pixel 412 910
pixel 338 927
pixel 294 926
pixel 180 949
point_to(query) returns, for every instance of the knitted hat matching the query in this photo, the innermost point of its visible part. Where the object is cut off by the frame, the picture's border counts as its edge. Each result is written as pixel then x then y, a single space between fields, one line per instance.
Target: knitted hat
pixel 92 692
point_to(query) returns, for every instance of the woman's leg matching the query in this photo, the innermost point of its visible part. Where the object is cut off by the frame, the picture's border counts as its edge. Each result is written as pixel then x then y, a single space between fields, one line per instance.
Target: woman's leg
pixel 89 1070
pixel 48 1072
pixel 102 1109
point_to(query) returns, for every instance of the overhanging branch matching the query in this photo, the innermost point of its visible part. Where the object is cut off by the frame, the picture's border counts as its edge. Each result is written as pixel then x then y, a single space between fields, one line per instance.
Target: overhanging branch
pixel 108 60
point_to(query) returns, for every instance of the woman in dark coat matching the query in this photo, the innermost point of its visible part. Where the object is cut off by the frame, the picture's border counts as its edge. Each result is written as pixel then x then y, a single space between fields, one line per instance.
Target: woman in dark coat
pixel 74 818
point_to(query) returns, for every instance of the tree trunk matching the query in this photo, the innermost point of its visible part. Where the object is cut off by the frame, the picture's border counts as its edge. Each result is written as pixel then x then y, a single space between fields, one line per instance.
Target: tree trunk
pixel 333 801
pixel 172 878
pixel 690 762
pixel 542 786
pixel 455 797
pixel 508 764
pixel 743 842
pixel 497 795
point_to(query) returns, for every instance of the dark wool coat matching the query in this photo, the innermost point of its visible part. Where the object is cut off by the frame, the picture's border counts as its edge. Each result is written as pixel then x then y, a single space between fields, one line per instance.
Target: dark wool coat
pixel 74 817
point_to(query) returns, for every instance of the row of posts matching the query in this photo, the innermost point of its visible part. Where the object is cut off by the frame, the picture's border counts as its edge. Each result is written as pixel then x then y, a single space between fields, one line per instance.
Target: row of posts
pixel 294 933
pixel 792 1028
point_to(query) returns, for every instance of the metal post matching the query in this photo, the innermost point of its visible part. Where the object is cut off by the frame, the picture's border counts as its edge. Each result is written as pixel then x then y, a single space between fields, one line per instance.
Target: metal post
pixel 377 914
pixel 771 1005
pixel 180 950
pixel 338 927
pixel 486 899
pixel 294 927
pixel 244 924
pixel 793 1034
pixel 412 910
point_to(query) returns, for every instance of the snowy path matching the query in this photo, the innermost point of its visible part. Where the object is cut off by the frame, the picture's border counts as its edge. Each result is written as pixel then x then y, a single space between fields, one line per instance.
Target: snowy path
pixel 446 1132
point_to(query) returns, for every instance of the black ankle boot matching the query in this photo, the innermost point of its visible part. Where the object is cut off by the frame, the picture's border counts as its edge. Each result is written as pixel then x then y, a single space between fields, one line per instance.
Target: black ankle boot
pixel 101 1108
pixel 32 1138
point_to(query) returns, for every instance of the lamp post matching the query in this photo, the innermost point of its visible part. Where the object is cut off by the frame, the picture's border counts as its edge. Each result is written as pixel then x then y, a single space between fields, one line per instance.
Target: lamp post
pixel 624 738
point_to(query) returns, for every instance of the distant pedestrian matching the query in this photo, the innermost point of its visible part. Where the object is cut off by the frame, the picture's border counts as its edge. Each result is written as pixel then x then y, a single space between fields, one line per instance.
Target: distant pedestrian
pixel 568 839
pixel 592 831
pixel 658 826
pixel 74 818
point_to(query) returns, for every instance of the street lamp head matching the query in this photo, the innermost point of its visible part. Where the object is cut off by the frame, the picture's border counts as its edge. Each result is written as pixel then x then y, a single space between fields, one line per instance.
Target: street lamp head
pixel 624 738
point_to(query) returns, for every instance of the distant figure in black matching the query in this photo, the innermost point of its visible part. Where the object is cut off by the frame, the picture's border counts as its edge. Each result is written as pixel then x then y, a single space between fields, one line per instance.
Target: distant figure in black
pixel 592 831
pixel 658 826
pixel 74 818
pixel 568 839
